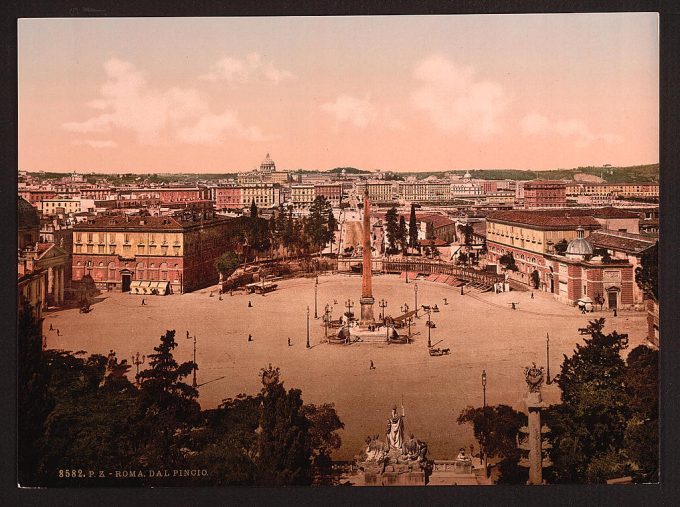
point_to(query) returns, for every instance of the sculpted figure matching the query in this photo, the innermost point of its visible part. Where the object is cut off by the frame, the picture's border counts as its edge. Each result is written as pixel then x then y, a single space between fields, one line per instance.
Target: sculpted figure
pixel 395 430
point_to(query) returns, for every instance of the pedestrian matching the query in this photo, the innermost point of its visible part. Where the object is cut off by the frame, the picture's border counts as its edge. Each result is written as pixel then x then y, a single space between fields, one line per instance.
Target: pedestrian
pixel 532 295
pixel 250 337
pixel 231 292
pixel 220 296
pixel 615 315
pixel 143 302
pixel 372 367
pixel 211 293
pixel 58 334
pixel 250 305
pixel 445 302
pixel 51 328
pixel 289 341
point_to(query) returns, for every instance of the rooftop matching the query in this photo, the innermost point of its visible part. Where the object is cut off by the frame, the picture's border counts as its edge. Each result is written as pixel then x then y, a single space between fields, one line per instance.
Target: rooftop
pixel 558 218
pixel 128 222
pixel 620 241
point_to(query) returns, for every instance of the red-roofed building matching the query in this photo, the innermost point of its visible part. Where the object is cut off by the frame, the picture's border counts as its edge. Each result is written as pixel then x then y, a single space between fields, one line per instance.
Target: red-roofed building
pixel 545 194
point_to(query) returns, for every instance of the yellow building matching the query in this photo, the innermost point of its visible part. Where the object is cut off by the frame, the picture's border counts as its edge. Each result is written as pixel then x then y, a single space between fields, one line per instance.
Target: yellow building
pixel 53 206
pixel 378 191
pixel 265 195
pixel 302 195
pixel 416 191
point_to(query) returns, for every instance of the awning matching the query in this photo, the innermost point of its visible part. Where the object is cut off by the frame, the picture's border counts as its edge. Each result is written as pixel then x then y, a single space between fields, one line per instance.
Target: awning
pixel 149 287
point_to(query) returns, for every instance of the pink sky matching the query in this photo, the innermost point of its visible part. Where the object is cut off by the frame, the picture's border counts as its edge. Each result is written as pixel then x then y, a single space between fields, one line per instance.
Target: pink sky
pixel 409 93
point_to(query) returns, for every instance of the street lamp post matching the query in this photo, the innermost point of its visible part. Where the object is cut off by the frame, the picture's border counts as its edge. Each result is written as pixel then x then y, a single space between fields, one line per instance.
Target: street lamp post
pixel 349 305
pixel 316 290
pixel 415 292
pixel 193 384
pixel 547 356
pixel 382 304
pixel 308 346
pixel 327 312
pixel 137 362
pixel 484 386
pixel 429 328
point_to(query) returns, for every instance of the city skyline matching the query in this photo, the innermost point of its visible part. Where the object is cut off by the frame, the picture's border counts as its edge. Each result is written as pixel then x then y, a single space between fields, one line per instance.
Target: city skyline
pixel 211 95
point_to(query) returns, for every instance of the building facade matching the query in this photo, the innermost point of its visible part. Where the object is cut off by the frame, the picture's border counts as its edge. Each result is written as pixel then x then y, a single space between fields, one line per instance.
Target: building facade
pixel 181 250
pixel 544 194
pixel 422 191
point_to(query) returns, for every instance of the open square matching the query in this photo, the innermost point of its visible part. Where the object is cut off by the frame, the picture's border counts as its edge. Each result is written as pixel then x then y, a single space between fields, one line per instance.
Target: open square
pixel 481 329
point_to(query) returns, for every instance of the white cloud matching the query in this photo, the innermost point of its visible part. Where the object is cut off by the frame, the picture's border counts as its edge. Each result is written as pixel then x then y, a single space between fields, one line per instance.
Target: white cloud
pixel 358 112
pixel 361 112
pixel 155 116
pixel 540 125
pixel 211 128
pixel 234 70
pixel 95 143
pixel 457 101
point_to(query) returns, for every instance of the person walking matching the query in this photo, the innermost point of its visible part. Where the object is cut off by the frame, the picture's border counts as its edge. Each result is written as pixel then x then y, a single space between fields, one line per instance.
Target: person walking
pixel 58 333
pixel 51 328
pixel 289 341
pixel 372 367
pixel 143 302
pixel 250 337
pixel 532 295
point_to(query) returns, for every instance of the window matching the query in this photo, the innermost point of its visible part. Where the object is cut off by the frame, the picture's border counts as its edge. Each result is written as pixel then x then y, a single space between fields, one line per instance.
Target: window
pixel 89 237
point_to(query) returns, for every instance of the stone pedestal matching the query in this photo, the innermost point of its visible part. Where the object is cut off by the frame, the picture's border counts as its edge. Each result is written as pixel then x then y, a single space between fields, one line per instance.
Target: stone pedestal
pixel 367 317
pixel 396 475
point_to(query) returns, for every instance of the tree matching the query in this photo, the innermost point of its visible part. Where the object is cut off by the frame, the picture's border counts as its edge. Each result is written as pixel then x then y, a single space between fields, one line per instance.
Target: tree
pixel 322 434
pixel 413 228
pixel 508 261
pixel 496 429
pixel 167 407
pixel 642 430
pixel 316 226
pixel 332 225
pixel 227 263
pixel 253 209
pixel 34 402
pixel 402 234
pixel 589 426
pixel 392 229
pixel 535 279
pixel 283 451
pixel 561 247
pixel 462 258
pixel 466 230
pixel 647 273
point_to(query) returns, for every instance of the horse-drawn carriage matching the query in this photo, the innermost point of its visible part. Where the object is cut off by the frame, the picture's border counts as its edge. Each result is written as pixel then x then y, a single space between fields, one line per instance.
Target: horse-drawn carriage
pixel 439 352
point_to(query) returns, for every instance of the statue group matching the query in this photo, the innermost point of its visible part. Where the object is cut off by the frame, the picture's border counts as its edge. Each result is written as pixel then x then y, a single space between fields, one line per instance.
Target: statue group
pixel 394 448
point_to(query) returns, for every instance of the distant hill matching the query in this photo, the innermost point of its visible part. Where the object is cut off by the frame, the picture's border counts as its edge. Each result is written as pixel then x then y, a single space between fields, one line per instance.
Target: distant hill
pixel 348 170
pixel 632 174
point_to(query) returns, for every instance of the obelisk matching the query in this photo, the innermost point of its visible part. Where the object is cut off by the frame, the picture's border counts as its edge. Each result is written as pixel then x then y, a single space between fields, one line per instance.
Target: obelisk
pixel 367 269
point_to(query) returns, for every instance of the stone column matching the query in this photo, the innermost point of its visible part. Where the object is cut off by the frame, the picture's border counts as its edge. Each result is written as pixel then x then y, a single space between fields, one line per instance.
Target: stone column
pixel 50 280
pixel 534 405
pixel 60 294
pixel 367 300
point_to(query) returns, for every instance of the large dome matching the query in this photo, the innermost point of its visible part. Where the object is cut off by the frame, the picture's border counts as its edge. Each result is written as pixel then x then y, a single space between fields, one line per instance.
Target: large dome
pixel 579 246
pixel 267 164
